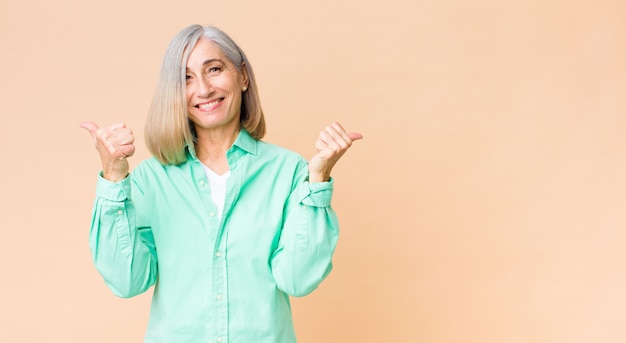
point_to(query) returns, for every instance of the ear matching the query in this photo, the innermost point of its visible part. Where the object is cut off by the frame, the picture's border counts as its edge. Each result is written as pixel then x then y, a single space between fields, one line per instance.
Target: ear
pixel 244 75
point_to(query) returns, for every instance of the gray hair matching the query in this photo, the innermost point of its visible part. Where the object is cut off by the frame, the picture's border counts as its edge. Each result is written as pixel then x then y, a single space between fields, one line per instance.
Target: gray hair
pixel 168 129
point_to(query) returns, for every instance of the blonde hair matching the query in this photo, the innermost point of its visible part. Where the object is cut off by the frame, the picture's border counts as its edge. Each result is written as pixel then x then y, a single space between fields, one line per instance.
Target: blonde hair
pixel 168 129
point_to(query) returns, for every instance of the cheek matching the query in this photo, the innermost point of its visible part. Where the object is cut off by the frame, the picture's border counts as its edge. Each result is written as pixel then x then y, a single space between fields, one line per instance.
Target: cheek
pixel 192 118
pixel 188 93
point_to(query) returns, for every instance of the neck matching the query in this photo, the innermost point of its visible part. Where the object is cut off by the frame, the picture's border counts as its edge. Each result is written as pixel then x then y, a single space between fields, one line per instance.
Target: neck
pixel 211 147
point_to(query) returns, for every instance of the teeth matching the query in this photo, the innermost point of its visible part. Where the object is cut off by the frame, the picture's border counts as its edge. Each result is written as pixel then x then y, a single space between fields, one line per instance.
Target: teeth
pixel 212 103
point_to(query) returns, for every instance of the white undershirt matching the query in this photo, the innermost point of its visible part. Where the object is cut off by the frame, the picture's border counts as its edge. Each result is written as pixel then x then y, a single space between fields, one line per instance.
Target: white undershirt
pixel 218 188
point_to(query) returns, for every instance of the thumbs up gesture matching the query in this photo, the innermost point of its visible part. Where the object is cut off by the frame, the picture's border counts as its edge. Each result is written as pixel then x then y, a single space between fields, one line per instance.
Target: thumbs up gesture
pixel 114 144
pixel 331 144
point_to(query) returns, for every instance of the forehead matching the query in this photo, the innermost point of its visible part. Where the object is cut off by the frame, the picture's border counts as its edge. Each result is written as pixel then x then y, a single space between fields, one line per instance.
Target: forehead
pixel 204 50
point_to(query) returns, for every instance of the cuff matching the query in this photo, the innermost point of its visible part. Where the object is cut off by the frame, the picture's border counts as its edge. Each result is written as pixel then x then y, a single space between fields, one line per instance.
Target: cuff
pixel 113 191
pixel 317 194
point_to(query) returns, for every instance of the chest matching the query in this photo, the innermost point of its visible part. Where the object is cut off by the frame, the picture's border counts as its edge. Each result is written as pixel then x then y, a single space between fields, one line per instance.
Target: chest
pixel 187 227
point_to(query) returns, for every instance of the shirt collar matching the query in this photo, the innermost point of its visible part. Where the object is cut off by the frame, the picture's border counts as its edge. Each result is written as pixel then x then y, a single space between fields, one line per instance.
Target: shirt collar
pixel 243 141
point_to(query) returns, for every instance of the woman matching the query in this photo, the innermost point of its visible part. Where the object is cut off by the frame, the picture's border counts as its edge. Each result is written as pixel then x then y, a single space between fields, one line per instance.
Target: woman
pixel 225 226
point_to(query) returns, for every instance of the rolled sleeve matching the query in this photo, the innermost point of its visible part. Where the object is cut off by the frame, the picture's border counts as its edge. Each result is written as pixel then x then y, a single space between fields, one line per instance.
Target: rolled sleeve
pixel 316 194
pixel 113 191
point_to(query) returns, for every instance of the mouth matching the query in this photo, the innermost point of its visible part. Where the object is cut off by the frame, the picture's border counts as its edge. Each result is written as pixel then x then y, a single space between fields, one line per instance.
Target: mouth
pixel 207 106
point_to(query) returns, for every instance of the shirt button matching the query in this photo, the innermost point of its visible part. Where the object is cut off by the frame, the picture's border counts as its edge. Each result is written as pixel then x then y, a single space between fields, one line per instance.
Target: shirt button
pixel 201 182
pixel 219 297
pixel 219 339
pixel 212 214
pixel 218 254
pixel 120 212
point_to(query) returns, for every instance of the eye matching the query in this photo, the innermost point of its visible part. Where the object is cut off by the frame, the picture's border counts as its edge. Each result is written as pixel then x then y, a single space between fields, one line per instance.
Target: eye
pixel 214 70
pixel 187 77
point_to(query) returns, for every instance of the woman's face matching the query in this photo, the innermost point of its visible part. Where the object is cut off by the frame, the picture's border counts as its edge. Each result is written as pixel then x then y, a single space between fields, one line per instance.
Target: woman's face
pixel 214 88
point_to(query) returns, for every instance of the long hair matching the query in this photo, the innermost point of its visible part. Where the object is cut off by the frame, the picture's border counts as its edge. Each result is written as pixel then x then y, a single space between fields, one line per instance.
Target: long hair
pixel 168 129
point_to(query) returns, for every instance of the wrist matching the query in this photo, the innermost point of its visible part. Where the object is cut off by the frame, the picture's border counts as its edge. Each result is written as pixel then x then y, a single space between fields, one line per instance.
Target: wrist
pixel 114 175
pixel 319 177
pixel 117 171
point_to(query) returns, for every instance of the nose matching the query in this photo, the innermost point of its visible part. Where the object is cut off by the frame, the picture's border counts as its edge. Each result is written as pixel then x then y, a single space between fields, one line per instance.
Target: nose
pixel 205 88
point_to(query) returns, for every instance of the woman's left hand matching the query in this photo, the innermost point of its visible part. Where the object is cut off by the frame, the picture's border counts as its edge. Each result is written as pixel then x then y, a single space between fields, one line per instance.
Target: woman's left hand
pixel 332 143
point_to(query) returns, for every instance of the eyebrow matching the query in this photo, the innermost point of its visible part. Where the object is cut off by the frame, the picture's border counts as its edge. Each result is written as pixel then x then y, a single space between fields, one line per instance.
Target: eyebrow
pixel 211 60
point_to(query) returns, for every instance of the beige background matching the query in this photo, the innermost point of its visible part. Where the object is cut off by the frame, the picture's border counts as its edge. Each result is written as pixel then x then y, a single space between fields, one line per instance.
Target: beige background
pixel 487 202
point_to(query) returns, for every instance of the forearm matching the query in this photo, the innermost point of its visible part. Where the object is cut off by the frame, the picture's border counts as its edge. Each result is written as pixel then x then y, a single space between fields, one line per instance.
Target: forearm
pixel 306 246
pixel 123 257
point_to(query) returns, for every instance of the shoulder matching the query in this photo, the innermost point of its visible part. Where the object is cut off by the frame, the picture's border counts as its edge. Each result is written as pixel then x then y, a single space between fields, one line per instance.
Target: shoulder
pixel 149 164
pixel 152 168
pixel 265 148
pixel 273 151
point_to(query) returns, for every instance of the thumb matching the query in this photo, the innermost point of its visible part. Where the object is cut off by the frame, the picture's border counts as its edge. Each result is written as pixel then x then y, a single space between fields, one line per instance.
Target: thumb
pixel 89 126
pixel 355 136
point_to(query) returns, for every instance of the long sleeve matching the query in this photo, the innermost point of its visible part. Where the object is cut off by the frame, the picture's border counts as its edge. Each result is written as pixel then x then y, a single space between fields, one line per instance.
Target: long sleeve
pixel 221 278
pixel 308 239
pixel 123 251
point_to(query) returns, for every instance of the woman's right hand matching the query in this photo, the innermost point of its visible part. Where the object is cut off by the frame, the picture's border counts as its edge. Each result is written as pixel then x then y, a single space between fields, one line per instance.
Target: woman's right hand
pixel 114 144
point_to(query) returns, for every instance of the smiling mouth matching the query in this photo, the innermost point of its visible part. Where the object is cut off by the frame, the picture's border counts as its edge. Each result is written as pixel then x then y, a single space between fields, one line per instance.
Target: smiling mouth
pixel 208 105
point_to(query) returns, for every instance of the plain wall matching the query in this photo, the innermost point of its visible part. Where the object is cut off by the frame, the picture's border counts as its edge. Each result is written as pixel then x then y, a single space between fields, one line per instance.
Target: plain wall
pixel 487 202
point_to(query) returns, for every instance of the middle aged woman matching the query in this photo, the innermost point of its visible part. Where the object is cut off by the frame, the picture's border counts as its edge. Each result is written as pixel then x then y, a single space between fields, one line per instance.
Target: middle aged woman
pixel 225 226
